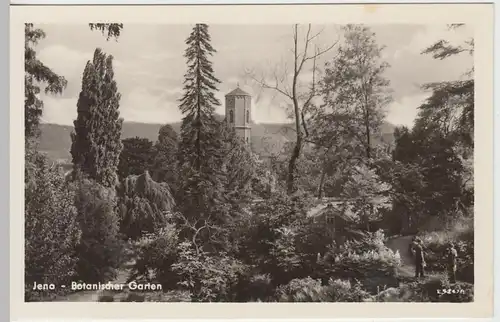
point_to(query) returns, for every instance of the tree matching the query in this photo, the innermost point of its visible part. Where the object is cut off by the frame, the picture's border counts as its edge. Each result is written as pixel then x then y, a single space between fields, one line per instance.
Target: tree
pixel 354 82
pixel 450 108
pixel 51 229
pixel 136 156
pixel 144 205
pixel 164 168
pixel 239 168
pixel 96 144
pixel 36 74
pixel 100 250
pixel 110 30
pixel 200 148
pixel 301 100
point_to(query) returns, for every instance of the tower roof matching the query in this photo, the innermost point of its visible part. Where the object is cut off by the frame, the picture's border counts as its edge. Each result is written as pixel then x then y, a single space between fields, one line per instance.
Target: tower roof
pixel 238 92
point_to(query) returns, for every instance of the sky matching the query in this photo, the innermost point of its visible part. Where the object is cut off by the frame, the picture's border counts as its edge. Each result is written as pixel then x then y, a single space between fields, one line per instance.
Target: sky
pixel 149 66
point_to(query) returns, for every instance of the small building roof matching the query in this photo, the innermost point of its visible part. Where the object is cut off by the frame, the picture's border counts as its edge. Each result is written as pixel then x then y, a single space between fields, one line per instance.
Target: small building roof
pixel 238 92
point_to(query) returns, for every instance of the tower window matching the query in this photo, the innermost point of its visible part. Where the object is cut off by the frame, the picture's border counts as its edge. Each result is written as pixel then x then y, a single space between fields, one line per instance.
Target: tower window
pixel 248 116
pixel 231 116
pixel 248 140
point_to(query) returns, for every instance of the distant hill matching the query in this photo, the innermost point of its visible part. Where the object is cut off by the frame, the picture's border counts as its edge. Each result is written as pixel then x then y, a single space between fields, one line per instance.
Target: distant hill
pixel 267 138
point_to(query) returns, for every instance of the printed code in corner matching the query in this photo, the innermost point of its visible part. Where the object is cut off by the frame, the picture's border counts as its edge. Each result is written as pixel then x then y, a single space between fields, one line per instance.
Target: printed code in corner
pixel 450 291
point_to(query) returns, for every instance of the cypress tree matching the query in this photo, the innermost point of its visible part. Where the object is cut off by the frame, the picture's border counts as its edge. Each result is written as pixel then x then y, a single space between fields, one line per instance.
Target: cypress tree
pixel 96 144
pixel 201 148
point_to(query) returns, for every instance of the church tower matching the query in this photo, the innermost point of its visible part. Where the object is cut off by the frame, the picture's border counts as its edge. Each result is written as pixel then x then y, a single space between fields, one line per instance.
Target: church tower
pixel 238 113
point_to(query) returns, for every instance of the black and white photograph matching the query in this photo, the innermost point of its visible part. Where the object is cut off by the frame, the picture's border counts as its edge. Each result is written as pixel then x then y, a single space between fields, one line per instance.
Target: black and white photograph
pixel 207 162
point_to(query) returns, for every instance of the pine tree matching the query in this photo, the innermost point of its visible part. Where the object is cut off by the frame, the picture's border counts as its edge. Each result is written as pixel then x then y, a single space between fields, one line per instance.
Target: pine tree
pixel 201 148
pixel 96 141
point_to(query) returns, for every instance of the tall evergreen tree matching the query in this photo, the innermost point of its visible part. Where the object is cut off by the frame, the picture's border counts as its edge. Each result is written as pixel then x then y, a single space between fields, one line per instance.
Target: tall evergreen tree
pixel 136 156
pixel 96 144
pixel 200 148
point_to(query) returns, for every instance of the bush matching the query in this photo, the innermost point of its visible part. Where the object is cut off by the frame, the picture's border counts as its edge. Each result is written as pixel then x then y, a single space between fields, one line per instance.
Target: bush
pixel 51 227
pixel 311 290
pixel 171 296
pixel 257 287
pixel 100 249
pixel 462 235
pixel 207 277
pixel 367 260
pixel 155 255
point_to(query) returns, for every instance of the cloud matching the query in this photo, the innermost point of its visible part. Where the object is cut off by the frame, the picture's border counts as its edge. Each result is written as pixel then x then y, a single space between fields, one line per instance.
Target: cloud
pixel 149 66
pixel 405 110
pixel 140 106
pixel 59 110
pixel 433 33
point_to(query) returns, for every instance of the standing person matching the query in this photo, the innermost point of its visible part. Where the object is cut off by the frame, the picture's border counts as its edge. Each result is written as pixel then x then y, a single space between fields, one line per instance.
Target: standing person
pixel 419 258
pixel 451 262
pixel 411 246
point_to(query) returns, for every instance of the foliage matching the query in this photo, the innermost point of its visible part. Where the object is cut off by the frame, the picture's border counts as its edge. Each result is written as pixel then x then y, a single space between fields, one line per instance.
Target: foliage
pixel 36 75
pixel 427 177
pixel 367 260
pixel 462 236
pixel 110 30
pixel 310 290
pixel 100 249
pixel 366 192
pixel 96 144
pixel 170 296
pixel 135 157
pixel 354 84
pixel 143 205
pixel 239 168
pixel 164 167
pixel 156 253
pixel 200 148
pixel 255 287
pixel 451 104
pixel 208 277
pixel 51 227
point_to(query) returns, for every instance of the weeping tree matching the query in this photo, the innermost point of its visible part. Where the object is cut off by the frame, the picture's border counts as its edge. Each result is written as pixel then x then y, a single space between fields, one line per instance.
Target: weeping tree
pixel 144 205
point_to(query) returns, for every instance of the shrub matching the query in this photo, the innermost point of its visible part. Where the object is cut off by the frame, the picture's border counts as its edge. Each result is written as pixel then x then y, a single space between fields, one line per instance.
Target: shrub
pixel 155 255
pixel 255 287
pixel 462 235
pixel 368 261
pixel 100 249
pixel 51 227
pixel 171 296
pixel 207 277
pixel 311 290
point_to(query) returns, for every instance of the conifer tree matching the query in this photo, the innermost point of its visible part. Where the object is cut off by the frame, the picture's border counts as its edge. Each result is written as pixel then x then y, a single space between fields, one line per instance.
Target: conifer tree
pixel 96 144
pixel 201 148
